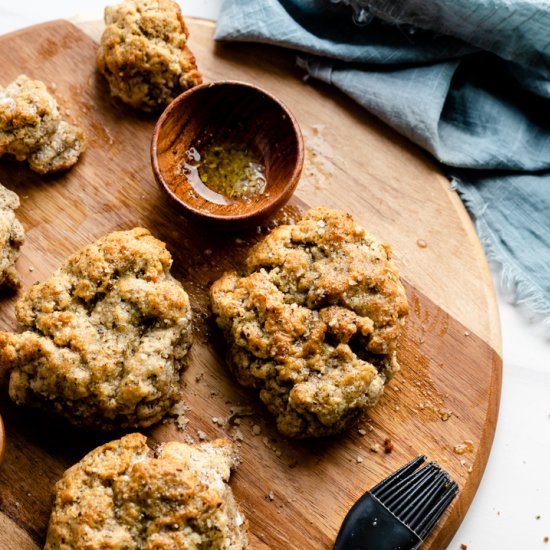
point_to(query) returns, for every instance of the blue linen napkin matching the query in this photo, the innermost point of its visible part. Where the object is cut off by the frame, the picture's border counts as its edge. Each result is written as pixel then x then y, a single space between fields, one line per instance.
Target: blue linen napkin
pixel 468 80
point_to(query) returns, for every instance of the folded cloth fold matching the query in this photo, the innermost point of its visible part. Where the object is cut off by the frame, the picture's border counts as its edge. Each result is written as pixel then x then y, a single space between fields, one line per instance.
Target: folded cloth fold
pixel 468 80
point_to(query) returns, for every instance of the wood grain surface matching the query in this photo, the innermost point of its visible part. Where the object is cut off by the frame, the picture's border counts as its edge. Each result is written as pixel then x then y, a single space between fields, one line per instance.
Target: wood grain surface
pixel 295 494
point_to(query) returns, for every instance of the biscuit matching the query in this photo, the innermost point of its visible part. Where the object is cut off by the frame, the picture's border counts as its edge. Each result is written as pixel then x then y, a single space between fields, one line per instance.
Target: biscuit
pixel 143 53
pixel 104 337
pixel 12 237
pixel 313 322
pixel 31 128
pixel 123 495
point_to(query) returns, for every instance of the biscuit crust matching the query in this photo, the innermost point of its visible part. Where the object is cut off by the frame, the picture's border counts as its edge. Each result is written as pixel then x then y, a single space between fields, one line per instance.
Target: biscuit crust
pixel 104 337
pixel 313 322
pixel 124 496
pixel 143 53
pixel 12 237
pixel 31 128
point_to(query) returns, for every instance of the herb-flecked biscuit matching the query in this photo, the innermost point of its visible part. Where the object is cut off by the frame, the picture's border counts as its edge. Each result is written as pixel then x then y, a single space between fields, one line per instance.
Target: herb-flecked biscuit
pixel 11 237
pixel 313 322
pixel 104 336
pixel 31 128
pixel 143 53
pixel 124 496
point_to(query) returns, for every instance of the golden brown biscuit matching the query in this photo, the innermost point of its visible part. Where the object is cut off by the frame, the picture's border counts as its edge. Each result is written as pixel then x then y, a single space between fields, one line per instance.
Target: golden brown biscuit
pixel 31 128
pixel 123 496
pixel 313 322
pixel 12 237
pixel 143 53
pixel 104 336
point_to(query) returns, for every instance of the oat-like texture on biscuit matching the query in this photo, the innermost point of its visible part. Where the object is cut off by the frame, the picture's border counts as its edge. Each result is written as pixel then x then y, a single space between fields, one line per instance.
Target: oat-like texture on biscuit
pixel 143 53
pixel 124 496
pixel 104 337
pixel 12 237
pixel 31 128
pixel 313 322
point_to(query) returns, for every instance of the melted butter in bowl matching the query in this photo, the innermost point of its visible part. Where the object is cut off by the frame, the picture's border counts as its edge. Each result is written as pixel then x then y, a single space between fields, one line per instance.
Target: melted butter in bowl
pixel 224 173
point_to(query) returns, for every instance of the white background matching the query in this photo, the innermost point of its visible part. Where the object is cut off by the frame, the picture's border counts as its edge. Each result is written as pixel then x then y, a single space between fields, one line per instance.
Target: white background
pixel 515 490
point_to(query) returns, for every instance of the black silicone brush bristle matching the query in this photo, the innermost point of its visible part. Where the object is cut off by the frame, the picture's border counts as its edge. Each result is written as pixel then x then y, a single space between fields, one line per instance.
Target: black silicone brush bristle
pixel 417 497
pixel 400 511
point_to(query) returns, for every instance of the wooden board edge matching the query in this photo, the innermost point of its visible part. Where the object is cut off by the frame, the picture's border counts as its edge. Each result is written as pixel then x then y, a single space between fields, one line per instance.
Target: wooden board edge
pixel 443 536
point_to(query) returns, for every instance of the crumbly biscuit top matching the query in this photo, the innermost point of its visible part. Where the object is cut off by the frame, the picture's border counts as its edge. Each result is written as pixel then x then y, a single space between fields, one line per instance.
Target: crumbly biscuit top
pixel 143 53
pixel 104 336
pixel 123 495
pixel 11 236
pixel 313 321
pixel 28 116
pixel 31 128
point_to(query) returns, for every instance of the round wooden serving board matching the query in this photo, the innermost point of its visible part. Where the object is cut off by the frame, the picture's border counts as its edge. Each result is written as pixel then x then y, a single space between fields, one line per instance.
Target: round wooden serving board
pixel 295 494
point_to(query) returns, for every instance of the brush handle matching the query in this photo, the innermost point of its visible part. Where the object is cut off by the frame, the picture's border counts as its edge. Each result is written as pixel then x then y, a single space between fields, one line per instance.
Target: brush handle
pixel 369 525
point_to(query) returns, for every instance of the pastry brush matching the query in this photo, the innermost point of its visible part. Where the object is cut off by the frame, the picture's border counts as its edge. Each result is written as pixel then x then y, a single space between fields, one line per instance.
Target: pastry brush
pixel 399 512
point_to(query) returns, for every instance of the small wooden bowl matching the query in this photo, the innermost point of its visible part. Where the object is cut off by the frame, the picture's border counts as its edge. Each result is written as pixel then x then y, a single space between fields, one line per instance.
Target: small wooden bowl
pixel 236 113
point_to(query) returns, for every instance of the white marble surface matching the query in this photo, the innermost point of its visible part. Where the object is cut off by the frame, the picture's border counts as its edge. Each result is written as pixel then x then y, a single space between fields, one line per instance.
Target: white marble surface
pixel 511 510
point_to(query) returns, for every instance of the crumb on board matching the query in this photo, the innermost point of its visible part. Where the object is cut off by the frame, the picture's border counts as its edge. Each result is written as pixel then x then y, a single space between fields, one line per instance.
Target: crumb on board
pixel 218 421
pixel 236 413
pixel 178 412
pixel 238 436
pixel 467 446
pixel 388 445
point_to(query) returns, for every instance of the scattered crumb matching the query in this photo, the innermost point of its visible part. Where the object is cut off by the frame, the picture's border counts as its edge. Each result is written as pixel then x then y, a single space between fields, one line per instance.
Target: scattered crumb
pixel 466 333
pixel 199 376
pixel 388 445
pixel 237 413
pixel 361 432
pixel 358 459
pixel 178 412
pixel 318 166
pixel 421 243
pixel 218 421
pixel 256 430
pixel 270 496
pixel 238 436
pixel 462 448
pixel 375 448
pixel 463 547
pixel 201 435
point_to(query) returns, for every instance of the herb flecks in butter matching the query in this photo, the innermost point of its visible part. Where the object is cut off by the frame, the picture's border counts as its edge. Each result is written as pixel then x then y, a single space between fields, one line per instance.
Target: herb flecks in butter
pixel 228 169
